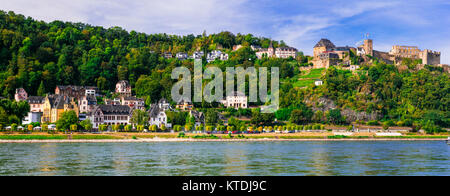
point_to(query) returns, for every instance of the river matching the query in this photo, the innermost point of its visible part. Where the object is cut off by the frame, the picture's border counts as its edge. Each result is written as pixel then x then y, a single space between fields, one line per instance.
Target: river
pixel 227 158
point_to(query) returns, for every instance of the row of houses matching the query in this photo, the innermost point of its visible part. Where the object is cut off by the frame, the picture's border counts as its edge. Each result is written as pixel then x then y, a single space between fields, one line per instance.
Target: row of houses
pixel 271 52
pixel 115 111
pixel 211 56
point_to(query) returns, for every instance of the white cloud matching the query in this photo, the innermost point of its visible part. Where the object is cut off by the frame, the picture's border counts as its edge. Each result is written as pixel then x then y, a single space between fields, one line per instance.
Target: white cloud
pixel 299 24
pixel 352 9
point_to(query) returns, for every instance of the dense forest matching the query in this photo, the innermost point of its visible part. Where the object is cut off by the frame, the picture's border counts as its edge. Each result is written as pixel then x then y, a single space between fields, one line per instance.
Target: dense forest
pixel 38 56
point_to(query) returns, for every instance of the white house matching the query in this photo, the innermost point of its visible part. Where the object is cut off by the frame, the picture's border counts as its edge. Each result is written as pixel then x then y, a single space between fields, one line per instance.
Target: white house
pixel 157 113
pixel 217 54
pixel 182 56
pixel 318 83
pixel 133 102
pixel 123 87
pixel 198 55
pixel 236 100
pixel 32 117
pixel 87 103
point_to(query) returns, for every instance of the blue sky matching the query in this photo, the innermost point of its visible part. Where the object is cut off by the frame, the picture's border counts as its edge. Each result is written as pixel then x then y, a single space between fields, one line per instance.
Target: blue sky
pixel 300 23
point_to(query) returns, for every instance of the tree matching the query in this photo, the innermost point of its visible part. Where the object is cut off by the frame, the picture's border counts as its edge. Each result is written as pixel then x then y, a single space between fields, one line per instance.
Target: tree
pixel 163 127
pixel 301 116
pixel 139 117
pixel 153 128
pixel 41 89
pixel 103 128
pixel 128 128
pixel 140 128
pixel 13 127
pixel 188 127
pixel 211 117
pixel 67 118
pixel 334 116
pixel 73 127
pixel 115 128
pixel 86 124
pixel 44 127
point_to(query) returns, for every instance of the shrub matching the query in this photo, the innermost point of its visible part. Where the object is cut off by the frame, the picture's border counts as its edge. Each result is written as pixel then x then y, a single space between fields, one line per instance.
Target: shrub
pixel 73 127
pixel 209 128
pixel 128 128
pixel 188 128
pixel 390 123
pixel 316 127
pixel 373 123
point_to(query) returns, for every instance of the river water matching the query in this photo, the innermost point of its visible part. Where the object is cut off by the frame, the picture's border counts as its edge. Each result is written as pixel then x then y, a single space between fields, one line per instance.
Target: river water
pixel 228 158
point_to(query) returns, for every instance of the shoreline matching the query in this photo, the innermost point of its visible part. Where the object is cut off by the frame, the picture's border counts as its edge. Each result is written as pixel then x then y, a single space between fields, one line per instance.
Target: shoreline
pixel 158 140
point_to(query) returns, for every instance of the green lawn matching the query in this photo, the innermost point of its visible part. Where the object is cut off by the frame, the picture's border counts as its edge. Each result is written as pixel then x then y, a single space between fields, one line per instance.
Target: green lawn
pixel 303 83
pixel 314 73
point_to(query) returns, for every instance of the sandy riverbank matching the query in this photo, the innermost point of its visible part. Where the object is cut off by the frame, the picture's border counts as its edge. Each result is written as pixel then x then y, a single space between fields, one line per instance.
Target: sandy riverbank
pixel 208 140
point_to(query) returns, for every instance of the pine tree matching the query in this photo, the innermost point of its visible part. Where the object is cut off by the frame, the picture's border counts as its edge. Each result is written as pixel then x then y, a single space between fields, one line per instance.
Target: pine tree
pixel 41 89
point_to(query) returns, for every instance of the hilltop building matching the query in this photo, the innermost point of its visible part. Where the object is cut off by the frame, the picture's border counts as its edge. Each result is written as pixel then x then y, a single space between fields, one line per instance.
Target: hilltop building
pixel 327 54
pixel 236 100
pixel 184 105
pixel 282 52
pixel 216 54
pixel 428 57
pixel 123 88
pixel 182 56
pixel 21 95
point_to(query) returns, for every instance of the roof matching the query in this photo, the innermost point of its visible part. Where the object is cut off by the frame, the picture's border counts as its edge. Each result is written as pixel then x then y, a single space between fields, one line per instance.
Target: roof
pixel 163 100
pixel 155 110
pixel 287 48
pixel 237 93
pixel 125 82
pixel 36 99
pixel 325 43
pixel 76 88
pixel 184 100
pixel 57 101
pixel 198 116
pixel 130 98
pixel 115 109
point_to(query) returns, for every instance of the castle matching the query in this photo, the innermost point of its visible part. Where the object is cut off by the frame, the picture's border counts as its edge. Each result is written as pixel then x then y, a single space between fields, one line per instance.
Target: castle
pixel 326 54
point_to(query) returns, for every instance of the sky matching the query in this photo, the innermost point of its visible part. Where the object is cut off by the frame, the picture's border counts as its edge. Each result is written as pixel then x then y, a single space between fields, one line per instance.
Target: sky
pixel 300 23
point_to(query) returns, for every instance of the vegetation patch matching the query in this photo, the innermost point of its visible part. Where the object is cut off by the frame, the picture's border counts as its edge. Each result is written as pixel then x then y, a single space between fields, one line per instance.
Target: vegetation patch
pixel 33 137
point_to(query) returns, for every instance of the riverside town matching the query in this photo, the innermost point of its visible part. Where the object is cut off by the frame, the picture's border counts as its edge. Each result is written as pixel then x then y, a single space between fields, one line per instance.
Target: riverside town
pixel 160 92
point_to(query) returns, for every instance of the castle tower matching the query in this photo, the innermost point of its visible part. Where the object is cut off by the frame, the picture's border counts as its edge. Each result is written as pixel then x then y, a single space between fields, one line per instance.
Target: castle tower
pixel 368 47
pixel 270 50
pixel 430 57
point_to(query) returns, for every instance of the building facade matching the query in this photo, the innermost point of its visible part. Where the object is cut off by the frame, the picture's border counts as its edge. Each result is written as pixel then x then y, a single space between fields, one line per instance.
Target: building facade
pixel 20 95
pixel 110 115
pixel 236 100
pixel 75 91
pixel 36 103
pixel 157 113
pixel 123 88
pixel 133 102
